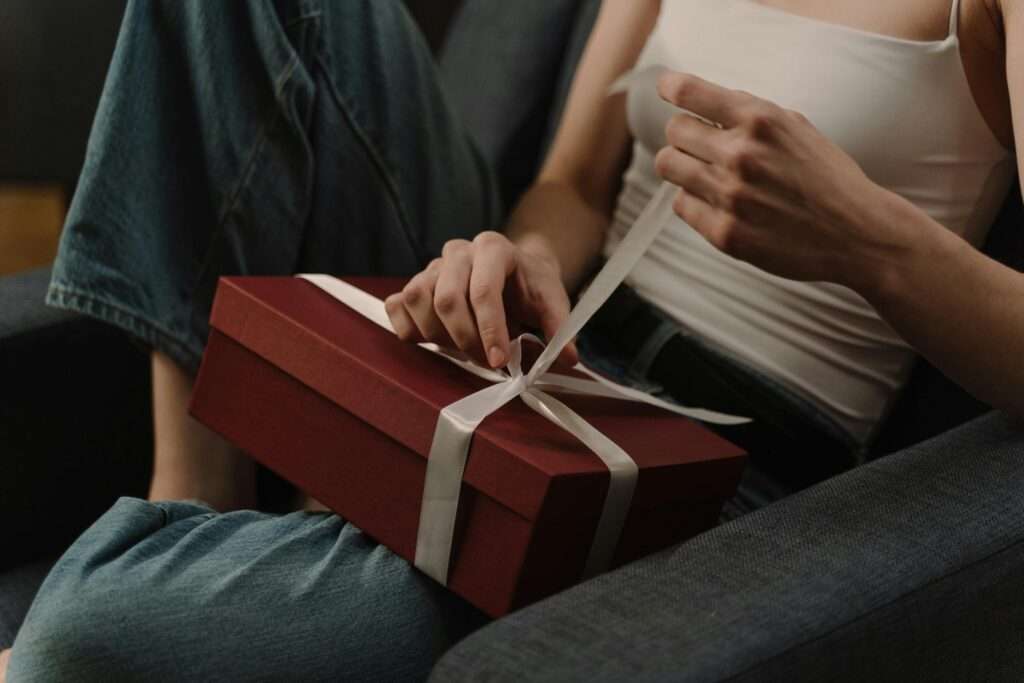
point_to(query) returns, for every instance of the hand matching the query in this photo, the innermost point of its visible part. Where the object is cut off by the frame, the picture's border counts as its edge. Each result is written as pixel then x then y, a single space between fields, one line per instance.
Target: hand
pixel 459 300
pixel 768 188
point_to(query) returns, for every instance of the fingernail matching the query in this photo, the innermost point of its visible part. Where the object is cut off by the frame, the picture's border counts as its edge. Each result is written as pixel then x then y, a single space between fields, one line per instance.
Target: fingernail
pixel 496 357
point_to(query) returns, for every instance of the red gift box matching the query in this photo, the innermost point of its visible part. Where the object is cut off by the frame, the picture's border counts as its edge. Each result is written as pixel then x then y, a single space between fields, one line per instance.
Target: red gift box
pixel 346 411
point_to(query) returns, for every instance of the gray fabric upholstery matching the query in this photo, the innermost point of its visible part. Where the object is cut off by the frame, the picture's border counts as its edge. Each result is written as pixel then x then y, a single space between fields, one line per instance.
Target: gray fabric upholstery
pixel 500 66
pixel 905 569
pixel 17 588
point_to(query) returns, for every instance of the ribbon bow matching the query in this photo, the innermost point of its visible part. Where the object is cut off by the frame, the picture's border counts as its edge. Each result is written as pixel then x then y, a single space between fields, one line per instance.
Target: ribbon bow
pixel 453 434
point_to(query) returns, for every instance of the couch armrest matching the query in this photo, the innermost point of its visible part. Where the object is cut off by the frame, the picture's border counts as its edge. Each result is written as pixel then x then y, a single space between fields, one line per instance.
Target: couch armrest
pixel 908 568
pixel 74 420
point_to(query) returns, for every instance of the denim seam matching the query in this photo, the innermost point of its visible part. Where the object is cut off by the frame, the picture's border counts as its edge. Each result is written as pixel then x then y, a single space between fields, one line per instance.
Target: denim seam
pixel 377 160
pixel 231 204
pixel 128 319
pixel 933 582
pixel 249 170
pixel 250 166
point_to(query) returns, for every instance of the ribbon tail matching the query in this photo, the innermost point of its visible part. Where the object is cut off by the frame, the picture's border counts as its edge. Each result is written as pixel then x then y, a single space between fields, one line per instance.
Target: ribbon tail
pixel 440 504
pixel 601 386
pixel 446 463
pixel 621 484
pixel 655 216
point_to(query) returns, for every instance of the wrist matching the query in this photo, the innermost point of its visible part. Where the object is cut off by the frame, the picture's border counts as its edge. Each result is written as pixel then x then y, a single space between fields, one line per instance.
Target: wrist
pixel 536 246
pixel 907 241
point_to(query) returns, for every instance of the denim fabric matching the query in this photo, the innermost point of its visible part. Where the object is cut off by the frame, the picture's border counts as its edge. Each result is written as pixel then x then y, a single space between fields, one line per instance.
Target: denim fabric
pixel 174 591
pixel 251 138
pixel 261 138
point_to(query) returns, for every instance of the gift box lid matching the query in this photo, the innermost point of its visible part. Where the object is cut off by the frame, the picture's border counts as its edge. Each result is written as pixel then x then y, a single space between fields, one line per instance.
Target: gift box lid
pixel 518 457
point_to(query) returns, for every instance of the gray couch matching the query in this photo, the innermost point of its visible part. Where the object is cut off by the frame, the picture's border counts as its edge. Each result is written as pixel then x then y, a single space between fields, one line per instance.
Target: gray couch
pixel 904 569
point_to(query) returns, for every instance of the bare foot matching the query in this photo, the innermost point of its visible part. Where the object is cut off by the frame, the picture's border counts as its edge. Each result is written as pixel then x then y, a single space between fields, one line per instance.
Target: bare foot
pixel 190 461
pixel 5 658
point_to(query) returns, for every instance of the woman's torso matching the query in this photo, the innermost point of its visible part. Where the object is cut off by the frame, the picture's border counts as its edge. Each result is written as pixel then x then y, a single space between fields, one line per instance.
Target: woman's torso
pixel 902 107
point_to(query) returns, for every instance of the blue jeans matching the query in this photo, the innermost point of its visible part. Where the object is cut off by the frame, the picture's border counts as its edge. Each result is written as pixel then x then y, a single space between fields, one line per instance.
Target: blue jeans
pixel 262 138
pixel 252 138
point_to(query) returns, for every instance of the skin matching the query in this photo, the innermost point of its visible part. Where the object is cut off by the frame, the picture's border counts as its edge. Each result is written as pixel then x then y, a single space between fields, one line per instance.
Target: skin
pixel 763 183
pixel 766 188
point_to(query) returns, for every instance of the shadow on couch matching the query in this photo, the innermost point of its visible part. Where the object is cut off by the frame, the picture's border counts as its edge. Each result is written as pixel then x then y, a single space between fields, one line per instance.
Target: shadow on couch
pixel 939 526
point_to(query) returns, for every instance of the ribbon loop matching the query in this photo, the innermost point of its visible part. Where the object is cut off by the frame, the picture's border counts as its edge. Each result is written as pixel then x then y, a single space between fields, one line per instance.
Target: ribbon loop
pixel 456 423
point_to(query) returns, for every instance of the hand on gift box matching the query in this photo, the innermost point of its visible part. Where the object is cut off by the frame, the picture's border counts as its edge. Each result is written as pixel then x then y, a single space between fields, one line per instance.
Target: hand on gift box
pixel 476 293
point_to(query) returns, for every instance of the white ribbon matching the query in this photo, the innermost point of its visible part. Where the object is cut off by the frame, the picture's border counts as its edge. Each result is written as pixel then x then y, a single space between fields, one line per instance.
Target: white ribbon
pixel 453 434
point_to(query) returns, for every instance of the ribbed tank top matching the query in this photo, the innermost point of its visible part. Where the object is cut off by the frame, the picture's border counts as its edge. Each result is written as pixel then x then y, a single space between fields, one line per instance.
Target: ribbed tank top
pixel 903 109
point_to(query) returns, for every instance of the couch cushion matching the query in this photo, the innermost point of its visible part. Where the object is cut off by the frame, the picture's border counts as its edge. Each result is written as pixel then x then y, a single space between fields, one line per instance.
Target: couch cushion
pixel 501 66
pixel 17 589
pixel 907 568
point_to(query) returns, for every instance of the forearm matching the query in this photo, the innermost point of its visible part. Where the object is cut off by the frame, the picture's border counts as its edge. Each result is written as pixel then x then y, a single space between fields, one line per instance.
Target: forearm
pixel 961 310
pixel 567 211
pixel 553 218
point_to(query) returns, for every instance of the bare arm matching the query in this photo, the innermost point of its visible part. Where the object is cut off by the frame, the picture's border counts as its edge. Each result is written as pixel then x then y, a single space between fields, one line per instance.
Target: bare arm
pixel 568 209
pixel 960 309
pixel 770 189
pixel 556 231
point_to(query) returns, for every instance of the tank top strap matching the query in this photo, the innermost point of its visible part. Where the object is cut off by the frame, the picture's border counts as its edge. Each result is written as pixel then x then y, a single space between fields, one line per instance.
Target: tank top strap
pixel 954 18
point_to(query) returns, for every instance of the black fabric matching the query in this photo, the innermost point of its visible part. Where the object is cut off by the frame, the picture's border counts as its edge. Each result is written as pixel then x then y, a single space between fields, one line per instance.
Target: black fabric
pixel 75 422
pixel 53 59
pixel 783 440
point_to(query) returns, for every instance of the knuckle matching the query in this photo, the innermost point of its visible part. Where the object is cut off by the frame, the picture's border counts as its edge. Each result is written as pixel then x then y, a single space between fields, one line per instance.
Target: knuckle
pixel 733 195
pixel 748 166
pixel 762 120
pixel 679 87
pixel 740 156
pixel 454 247
pixel 415 292
pixel 446 303
pixel 675 127
pixel 489 239
pixel 663 161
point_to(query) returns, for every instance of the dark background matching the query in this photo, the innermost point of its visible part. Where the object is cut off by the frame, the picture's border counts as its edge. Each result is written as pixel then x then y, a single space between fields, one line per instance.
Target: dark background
pixel 53 58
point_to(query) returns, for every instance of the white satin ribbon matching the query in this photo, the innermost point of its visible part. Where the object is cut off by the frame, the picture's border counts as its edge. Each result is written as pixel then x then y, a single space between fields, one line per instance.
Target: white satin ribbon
pixel 453 434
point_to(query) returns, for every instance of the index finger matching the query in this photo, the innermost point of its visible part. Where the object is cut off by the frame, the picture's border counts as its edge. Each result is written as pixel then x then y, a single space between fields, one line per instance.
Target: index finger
pixel 710 101
pixel 493 262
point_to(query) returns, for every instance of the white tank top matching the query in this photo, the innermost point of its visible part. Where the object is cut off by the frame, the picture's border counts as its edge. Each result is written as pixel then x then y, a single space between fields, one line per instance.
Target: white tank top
pixel 902 109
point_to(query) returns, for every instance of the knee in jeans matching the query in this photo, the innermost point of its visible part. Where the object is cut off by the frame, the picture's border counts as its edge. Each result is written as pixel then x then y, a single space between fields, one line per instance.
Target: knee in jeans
pixel 72 631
